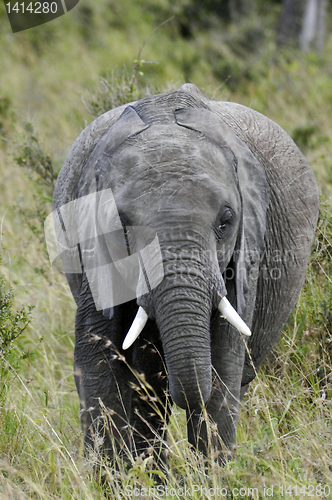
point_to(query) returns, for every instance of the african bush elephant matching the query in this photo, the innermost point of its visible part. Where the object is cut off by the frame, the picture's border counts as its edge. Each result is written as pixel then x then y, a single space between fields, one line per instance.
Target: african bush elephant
pixel 225 203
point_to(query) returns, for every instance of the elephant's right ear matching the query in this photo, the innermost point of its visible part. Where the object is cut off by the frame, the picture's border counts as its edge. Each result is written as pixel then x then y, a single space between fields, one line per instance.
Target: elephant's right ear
pixel 253 187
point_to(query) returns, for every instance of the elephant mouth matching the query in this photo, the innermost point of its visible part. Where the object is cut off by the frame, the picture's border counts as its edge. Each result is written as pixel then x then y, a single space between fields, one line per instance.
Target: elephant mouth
pixel 225 308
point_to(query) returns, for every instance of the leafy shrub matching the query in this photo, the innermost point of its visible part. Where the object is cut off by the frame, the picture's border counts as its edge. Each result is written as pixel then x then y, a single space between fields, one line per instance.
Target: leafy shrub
pixel 5 104
pixel 32 157
pixel 35 159
pixel 12 323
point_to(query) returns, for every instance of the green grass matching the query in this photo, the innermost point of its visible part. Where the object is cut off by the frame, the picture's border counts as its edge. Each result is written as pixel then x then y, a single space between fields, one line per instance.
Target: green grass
pixel 284 434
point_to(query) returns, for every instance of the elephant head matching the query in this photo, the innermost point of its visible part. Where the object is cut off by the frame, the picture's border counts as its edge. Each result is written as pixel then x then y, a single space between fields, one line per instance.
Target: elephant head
pixel 215 187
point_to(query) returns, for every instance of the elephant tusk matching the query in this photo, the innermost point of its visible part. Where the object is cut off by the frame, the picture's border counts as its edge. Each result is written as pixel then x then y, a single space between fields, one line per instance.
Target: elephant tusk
pixel 229 313
pixel 136 328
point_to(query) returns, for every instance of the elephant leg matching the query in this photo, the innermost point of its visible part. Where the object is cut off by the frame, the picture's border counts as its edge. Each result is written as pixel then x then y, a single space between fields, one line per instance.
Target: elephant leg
pixel 105 401
pixel 102 380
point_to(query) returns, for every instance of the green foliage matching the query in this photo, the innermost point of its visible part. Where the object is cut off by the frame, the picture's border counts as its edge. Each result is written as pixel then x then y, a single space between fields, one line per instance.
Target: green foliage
pixel 5 108
pixel 12 323
pixel 4 105
pixel 319 282
pixel 321 260
pixel 32 157
pixel 304 134
pixel 116 89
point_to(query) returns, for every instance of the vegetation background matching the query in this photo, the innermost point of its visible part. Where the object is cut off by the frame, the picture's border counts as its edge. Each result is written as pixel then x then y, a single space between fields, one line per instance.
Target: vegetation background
pixel 54 79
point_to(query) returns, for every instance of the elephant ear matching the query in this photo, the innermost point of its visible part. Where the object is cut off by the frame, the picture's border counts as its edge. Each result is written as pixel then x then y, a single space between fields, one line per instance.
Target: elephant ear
pixel 77 177
pixel 79 154
pixel 254 191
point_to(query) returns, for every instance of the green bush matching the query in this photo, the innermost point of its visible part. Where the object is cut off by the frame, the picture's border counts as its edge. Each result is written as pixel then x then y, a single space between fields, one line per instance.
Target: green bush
pixel 32 156
pixel 12 324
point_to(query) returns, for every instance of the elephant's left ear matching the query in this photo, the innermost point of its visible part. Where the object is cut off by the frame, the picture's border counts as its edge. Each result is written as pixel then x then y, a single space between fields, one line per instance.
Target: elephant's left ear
pixel 253 187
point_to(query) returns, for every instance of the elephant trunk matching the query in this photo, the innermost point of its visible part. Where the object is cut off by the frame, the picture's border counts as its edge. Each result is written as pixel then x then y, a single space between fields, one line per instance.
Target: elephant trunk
pixel 183 304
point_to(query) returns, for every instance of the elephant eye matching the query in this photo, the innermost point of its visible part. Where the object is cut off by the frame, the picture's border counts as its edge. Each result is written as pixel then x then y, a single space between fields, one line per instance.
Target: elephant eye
pixel 220 231
pixel 223 223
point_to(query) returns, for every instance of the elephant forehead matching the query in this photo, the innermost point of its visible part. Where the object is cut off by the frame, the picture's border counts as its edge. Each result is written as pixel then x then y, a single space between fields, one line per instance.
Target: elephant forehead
pixel 181 173
pixel 173 153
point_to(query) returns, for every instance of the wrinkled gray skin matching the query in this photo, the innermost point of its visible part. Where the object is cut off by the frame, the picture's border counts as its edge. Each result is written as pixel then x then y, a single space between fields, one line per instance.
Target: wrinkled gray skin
pixel 225 188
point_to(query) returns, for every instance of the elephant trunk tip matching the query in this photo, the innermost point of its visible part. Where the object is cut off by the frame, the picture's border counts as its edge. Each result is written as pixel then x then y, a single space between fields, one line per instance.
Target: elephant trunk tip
pixel 193 396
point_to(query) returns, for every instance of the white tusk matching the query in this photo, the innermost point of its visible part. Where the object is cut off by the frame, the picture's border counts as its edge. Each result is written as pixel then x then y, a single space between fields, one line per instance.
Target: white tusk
pixel 136 328
pixel 229 313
